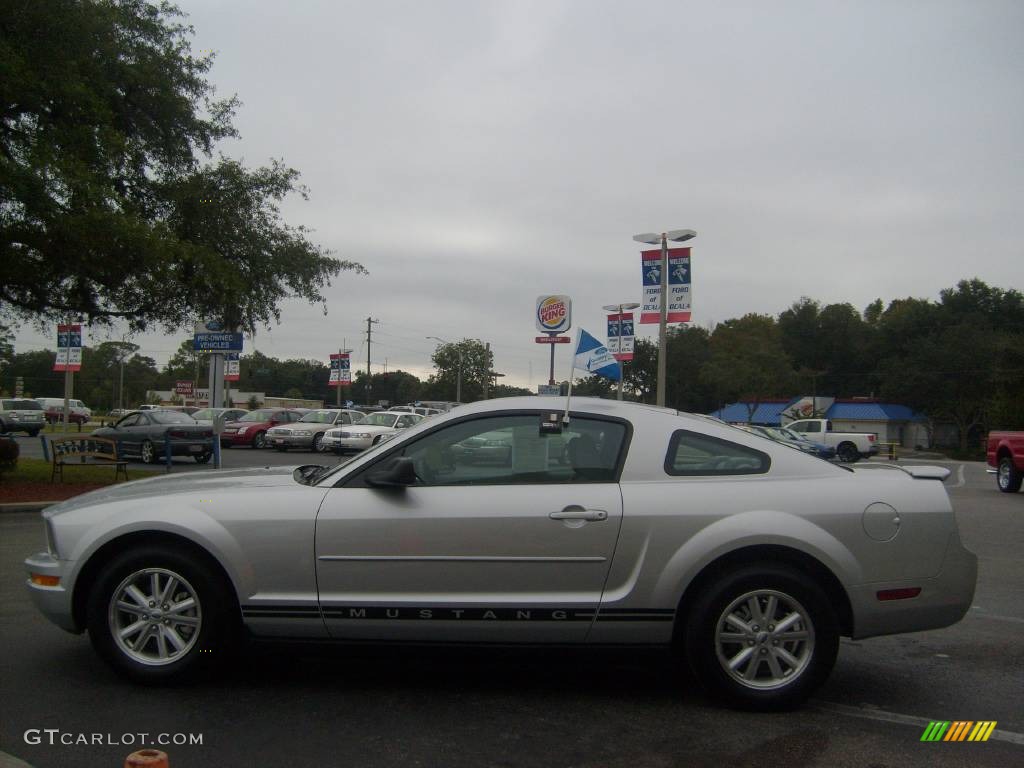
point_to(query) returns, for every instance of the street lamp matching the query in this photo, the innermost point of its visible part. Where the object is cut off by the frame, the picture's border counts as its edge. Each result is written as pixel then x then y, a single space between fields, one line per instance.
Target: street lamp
pixel 458 380
pixel 620 308
pixel 676 236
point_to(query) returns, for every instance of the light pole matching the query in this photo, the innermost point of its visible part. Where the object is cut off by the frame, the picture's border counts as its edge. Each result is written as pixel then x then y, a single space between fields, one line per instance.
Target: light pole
pixel 458 380
pixel 676 236
pixel 620 308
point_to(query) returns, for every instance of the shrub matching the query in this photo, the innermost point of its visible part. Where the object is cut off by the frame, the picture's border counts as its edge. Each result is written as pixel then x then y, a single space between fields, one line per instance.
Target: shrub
pixel 9 452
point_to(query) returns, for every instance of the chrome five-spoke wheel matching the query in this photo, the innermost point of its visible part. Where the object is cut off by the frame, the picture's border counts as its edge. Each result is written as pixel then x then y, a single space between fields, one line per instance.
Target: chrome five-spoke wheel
pixel 155 616
pixel 764 639
pixel 762 636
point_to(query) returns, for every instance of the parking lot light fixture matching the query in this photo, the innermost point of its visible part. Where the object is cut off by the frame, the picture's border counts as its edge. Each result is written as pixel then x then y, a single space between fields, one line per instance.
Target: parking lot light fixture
pixel 620 308
pixel 458 380
pixel 676 236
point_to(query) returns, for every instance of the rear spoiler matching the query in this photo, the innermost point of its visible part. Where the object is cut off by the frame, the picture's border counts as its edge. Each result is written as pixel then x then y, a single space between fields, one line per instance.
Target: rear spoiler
pixel 920 473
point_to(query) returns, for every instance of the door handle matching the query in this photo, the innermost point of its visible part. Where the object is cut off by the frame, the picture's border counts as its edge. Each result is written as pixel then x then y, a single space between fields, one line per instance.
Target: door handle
pixel 575 512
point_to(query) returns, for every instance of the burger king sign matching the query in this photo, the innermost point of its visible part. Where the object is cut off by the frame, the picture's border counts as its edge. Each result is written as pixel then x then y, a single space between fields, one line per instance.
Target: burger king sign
pixel 554 314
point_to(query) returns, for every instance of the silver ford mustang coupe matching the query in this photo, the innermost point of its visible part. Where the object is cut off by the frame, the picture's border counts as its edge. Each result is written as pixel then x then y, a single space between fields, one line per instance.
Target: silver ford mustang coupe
pixel 622 524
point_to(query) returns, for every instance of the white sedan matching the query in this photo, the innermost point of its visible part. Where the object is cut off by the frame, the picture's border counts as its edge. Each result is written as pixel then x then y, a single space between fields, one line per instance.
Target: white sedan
pixel 615 524
pixel 375 428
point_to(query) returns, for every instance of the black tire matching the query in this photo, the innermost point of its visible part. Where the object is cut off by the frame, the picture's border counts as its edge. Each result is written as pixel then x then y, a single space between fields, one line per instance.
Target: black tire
pixel 318 442
pixel 206 643
pixel 147 452
pixel 730 595
pixel 203 458
pixel 375 441
pixel 259 440
pixel 847 452
pixel 1008 477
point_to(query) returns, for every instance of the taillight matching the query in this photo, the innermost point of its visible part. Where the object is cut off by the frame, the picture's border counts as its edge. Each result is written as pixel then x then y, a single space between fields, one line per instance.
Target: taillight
pixel 871 438
pixel 177 433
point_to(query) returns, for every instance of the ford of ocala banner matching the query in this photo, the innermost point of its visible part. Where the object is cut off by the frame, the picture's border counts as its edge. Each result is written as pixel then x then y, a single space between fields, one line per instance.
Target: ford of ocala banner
pixel 679 292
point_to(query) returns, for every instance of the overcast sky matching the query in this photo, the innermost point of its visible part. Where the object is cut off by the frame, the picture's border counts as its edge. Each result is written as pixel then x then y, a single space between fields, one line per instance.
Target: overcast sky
pixel 473 155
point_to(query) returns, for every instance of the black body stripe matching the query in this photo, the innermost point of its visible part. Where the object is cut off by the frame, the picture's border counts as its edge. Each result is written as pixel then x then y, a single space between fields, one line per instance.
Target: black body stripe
pixel 437 613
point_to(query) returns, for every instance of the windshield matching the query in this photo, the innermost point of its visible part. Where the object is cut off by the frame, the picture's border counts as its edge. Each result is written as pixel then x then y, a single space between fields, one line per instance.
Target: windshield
pixel 21 405
pixel 207 414
pixel 264 414
pixel 319 417
pixel 381 419
pixel 171 417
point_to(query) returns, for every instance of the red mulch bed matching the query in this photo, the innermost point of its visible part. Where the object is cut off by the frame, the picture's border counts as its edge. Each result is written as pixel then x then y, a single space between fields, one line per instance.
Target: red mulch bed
pixel 17 493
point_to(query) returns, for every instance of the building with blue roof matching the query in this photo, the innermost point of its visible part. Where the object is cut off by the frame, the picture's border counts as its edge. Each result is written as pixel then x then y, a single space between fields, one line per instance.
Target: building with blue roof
pixel 892 422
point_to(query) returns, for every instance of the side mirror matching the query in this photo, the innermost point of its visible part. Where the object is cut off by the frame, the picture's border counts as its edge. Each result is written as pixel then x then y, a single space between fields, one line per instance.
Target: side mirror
pixel 398 474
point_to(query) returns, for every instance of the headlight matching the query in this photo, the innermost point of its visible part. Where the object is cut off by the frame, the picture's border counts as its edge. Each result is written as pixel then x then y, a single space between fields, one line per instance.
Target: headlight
pixel 51 540
pixel 242 430
pixel 359 435
pixel 302 433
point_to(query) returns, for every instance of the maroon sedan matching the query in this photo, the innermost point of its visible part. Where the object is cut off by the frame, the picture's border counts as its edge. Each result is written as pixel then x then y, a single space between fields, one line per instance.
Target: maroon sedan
pixel 252 428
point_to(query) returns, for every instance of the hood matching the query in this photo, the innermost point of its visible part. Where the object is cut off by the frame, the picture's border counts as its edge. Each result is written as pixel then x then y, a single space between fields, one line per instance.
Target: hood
pixel 191 482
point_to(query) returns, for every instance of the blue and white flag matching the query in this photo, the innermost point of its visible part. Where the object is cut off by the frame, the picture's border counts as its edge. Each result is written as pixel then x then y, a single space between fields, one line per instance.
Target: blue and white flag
pixel 593 357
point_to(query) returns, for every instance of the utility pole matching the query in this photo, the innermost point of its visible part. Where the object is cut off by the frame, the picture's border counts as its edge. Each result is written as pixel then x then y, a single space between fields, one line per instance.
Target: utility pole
pixel 487 376
pixel 369 334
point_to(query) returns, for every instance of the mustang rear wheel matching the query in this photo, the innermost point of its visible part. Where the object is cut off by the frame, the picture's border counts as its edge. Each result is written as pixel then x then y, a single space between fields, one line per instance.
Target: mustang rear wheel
pixel 763 637
pixel 158 614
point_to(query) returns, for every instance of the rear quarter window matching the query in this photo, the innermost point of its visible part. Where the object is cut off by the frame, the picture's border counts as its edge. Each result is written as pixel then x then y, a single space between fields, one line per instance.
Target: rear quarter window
pixel 695 454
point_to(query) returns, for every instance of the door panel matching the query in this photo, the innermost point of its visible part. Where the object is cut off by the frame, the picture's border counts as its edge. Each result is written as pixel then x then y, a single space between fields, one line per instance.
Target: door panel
pixel 465 563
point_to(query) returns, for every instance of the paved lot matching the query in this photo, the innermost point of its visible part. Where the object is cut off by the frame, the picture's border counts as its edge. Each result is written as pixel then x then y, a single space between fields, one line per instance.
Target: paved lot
pixel 432 707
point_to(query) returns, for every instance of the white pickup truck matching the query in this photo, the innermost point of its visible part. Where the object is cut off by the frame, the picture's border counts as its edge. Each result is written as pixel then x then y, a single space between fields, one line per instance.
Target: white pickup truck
pixel 849 446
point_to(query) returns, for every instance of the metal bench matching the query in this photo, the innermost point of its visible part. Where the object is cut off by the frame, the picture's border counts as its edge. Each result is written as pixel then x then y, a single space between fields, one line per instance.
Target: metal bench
pixel 85 451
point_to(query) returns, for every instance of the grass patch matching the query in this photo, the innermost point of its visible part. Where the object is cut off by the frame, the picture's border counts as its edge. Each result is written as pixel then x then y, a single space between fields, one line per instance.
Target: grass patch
pixel 38 471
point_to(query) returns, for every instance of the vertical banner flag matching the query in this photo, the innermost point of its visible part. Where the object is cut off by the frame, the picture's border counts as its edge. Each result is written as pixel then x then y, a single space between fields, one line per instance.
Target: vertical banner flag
pixel 69 348
pixel 620 336
pixel 341 371
pixel 678 286
pixel 232 367
pixel 593 357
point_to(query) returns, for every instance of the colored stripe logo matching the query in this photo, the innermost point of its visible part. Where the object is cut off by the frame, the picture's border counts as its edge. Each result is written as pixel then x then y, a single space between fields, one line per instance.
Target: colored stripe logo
pixel 959 730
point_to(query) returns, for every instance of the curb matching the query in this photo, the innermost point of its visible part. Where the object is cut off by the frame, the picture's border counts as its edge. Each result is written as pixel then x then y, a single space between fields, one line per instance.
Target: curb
pixel 26 506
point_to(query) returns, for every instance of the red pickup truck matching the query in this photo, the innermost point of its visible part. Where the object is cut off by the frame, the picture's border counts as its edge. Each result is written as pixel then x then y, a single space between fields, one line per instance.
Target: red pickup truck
pixel 1005 453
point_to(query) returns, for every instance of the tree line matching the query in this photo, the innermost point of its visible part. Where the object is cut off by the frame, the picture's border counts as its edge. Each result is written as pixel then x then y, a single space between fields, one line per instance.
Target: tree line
pixel 957 360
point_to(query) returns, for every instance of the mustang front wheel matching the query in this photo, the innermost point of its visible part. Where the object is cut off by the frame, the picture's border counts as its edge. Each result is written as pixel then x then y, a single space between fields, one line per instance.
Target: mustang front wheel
pixel 157 614
pixel 763 637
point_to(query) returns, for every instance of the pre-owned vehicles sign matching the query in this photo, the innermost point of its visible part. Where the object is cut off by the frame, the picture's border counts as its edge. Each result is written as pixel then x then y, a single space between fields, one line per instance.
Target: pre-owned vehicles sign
pixel 212 336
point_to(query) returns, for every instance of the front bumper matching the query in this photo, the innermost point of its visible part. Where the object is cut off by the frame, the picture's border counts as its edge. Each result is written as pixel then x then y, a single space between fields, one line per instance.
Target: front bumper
pixel 290 441
pixel 346 443
pixel 53 602
pixel 944 599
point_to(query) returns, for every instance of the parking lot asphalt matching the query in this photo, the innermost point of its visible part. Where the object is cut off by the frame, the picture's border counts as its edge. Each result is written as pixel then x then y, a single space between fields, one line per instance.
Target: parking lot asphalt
pixel 362 706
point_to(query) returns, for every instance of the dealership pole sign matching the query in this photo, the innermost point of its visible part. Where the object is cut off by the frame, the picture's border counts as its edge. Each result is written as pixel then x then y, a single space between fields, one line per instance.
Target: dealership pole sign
pixel 620 335
pixel 341 371
pixel 69 348
pixel 679 287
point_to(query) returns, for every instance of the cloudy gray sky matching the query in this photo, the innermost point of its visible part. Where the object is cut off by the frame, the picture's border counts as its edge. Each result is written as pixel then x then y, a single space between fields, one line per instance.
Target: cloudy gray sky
pixel 473 154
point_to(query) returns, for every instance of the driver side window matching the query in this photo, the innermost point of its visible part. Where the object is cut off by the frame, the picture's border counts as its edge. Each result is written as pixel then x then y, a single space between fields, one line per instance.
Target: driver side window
pixel 509 450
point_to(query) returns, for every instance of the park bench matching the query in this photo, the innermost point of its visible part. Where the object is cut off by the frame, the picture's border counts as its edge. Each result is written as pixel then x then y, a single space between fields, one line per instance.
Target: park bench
pixel 85 451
